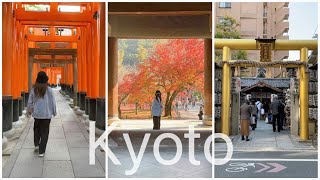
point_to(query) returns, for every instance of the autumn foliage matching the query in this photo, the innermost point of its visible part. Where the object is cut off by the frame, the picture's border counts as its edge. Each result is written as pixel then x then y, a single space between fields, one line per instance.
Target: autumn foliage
pixel 174 66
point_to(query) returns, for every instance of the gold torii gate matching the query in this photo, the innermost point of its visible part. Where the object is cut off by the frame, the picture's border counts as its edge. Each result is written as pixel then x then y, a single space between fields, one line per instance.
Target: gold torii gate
pixel 266 46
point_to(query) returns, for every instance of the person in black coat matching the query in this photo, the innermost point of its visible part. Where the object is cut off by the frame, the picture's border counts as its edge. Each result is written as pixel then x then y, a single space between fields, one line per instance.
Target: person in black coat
pixel 281 113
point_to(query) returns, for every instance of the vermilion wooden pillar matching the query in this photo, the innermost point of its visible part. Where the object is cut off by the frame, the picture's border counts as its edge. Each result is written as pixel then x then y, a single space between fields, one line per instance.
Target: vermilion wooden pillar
pixel 7 65
pixel 20 52
pixel 25 66
pixel 94 65
pixel 79 64
pixel 15 71
pixel 101 100
pixel 83 60
pixel 89 67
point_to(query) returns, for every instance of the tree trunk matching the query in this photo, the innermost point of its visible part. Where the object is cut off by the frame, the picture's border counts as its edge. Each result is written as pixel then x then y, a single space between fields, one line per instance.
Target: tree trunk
pixel 136 108
pixel 119 104
pixel 169 101
pixel 119 110
pixel 167 108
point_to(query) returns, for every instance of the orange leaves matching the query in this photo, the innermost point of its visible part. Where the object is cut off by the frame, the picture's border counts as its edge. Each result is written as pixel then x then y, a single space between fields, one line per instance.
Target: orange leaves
pixel 175 65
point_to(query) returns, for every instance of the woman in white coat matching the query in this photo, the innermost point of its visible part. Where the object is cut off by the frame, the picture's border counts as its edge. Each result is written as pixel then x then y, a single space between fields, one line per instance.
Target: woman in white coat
pixel 157 110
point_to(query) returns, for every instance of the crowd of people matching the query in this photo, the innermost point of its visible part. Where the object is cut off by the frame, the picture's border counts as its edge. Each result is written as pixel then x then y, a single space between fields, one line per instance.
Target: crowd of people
pixel 253 111
pixel 186 102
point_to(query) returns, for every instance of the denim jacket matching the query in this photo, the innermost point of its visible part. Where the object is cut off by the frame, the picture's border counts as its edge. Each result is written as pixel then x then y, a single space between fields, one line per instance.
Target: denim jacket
pixel 156 108
pixel 43 108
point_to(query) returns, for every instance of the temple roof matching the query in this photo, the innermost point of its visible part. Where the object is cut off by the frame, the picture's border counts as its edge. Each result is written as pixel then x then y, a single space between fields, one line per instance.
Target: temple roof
pixel 261 85
pixel 274 82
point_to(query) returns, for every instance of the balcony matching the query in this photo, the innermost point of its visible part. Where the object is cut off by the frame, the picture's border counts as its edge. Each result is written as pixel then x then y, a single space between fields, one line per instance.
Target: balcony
pixel 282 27
pixel 282 14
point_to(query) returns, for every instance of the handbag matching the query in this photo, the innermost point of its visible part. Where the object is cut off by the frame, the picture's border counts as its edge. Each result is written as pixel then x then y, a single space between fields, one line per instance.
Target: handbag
pixel 252 120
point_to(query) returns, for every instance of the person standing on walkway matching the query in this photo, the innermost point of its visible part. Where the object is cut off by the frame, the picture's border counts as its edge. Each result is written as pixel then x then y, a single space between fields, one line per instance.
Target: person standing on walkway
pixel 275 105
pixel 200 113
pixel 245 113
pixel 259 106
pixel 281 113
pixel 253 112
pixel 266 108
pixel 157 110
pixel 42 107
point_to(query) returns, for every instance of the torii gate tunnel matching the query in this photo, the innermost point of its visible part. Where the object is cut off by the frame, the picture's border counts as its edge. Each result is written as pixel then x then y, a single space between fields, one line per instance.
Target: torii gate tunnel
pixel 257 44
pixel 64 39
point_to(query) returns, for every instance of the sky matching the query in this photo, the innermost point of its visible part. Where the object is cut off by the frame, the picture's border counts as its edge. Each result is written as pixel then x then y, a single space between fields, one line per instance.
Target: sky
pixel 303 22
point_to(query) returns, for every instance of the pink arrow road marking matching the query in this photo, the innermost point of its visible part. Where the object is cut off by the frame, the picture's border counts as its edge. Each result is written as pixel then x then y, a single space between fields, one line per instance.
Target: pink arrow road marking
pixel 265 167
pixel 277 168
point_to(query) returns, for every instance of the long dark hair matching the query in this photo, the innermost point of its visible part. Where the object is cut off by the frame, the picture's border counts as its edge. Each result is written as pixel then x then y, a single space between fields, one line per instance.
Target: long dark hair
pixel 158 94
pixel 41 84
pixel 40 89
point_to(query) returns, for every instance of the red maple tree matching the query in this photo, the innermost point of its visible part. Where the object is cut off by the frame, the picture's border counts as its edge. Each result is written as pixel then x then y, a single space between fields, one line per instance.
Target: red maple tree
pixel 174 66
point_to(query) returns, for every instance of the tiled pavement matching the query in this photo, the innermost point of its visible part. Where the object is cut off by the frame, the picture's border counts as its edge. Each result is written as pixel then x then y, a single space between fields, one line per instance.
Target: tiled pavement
pixel 174 125
pixel 67 153
pixel 151 168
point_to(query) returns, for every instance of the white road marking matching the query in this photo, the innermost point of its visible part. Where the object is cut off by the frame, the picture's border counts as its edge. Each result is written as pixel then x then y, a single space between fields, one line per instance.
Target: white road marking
pixel 306 160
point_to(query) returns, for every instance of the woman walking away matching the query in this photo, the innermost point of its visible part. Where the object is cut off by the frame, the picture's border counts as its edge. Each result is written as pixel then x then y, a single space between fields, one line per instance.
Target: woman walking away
pixel 157 110
pixel 245 120
pixel 253 112
pixel 42 107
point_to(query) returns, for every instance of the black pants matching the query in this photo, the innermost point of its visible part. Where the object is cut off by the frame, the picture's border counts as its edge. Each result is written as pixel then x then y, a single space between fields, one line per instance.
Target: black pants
pixel 41 133
pixel 156 122
pixel 282 120
pixel 276 119
pixel 255 120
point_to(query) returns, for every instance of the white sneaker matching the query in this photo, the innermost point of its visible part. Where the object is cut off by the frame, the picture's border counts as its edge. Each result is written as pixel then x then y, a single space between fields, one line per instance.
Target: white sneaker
pixel 41 155
pixel 36 148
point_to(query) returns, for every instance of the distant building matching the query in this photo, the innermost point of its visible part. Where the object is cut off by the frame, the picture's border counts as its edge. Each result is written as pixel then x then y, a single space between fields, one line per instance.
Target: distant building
pixel 258 19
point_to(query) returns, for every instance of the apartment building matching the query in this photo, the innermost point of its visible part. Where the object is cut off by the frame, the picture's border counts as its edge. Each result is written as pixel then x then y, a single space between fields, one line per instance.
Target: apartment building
pixel 258 20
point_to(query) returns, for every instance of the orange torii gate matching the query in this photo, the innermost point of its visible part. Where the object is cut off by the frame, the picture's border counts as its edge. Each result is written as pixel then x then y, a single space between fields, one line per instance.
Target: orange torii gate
pixel 24 29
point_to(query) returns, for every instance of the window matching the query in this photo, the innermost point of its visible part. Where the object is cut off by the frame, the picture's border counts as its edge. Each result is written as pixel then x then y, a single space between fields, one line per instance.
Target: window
pixel 37 7
pixel 63 32
pixel 225 5
pixel 63 8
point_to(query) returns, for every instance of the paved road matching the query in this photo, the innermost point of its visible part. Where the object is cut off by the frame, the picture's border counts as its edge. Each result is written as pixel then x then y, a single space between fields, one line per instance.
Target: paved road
pixel 269 164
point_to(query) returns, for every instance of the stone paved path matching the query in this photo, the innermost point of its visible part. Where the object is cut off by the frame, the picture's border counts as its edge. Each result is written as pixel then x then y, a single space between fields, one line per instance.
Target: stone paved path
pixel 67 153
pixel 263 138
pixel 151 168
